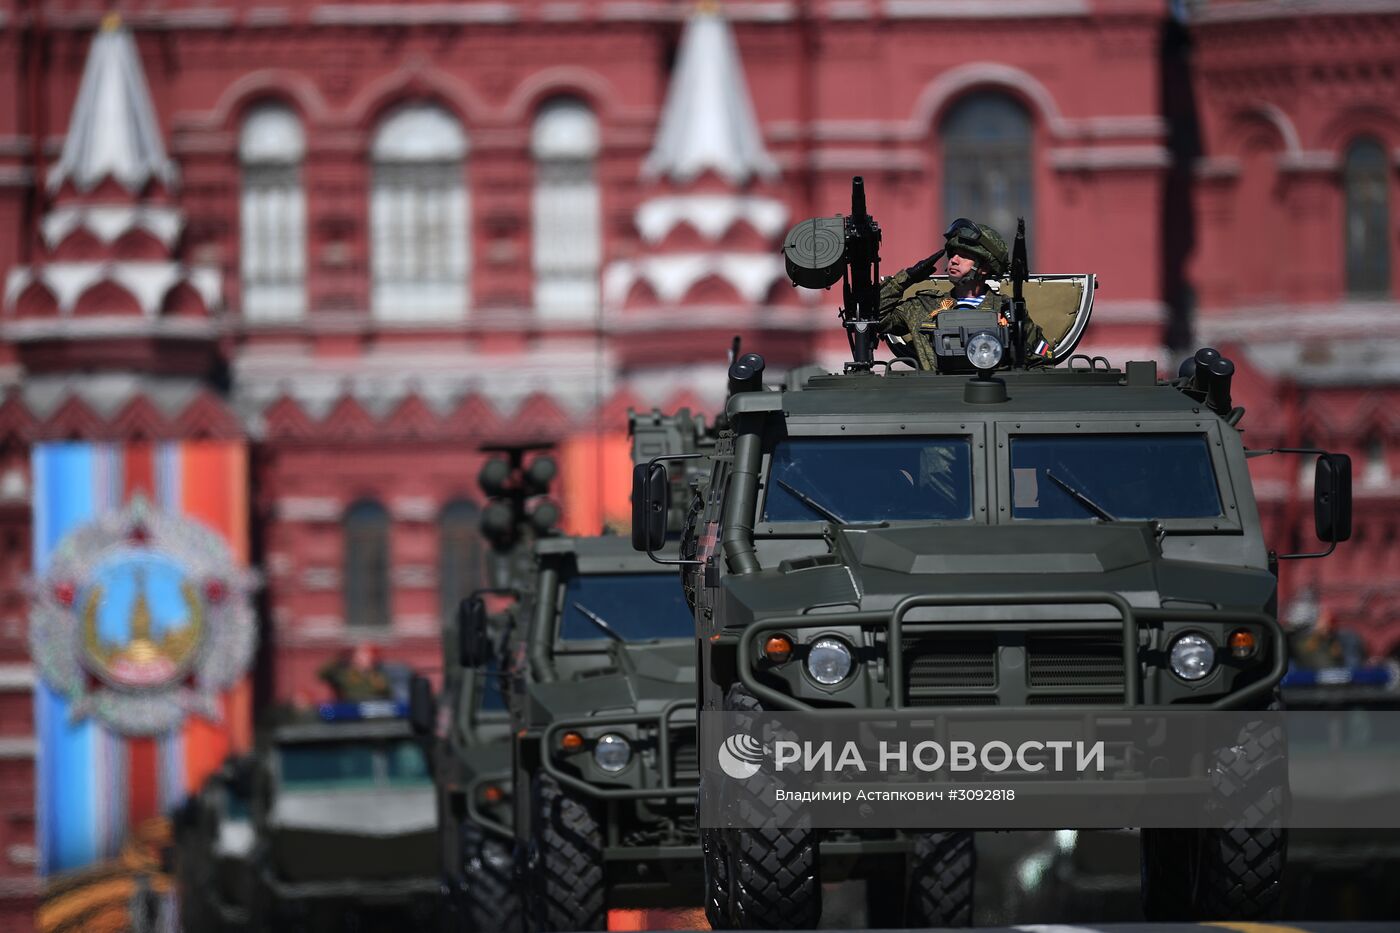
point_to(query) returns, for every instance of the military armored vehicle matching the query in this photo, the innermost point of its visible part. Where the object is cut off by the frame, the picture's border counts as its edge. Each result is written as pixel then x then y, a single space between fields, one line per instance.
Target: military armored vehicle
pixel 468 744
pixel 605 767
pixel 344 821
pixel 1072 536
pixel 214 851
pixel 602 706
pixel 471 768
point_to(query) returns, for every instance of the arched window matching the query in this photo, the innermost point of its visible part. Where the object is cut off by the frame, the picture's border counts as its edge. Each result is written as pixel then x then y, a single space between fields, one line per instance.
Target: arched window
pixel 366 579
pixel 272 215
pixel 567 249
pixel 461 555
pixel 418 216
pixel 1377 469
pixel 987 164
pixel 1366 180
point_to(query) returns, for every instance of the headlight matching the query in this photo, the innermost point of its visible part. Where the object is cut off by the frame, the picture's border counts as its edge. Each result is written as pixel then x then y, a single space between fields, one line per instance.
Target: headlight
pixel 612 752
pixel 829 661
pixel 984 351
pixel 1192 657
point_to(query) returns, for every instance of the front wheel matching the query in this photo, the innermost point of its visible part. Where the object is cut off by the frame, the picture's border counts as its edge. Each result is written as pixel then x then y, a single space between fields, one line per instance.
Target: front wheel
pixel 565 874
pixel 716 869
pixel 489 900
pixel 942 867
pixel 1235 873
pixel 773 872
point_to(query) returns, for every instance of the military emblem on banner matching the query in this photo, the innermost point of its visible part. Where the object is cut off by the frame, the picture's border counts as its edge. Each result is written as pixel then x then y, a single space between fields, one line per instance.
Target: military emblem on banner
pixel 142 618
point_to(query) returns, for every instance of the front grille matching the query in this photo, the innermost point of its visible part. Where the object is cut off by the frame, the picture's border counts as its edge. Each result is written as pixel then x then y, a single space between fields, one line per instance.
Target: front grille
pixel 685 758
pixel 1074 661
pixel 971 699
pixel 1013 666
pixel 951 661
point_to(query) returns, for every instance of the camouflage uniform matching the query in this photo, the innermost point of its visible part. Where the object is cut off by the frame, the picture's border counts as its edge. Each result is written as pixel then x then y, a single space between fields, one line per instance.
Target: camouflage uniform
pixel 909 303
pixel 355 685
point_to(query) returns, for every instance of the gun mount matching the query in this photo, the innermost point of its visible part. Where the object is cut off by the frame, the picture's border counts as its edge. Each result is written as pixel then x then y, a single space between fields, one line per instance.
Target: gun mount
pixel 821 251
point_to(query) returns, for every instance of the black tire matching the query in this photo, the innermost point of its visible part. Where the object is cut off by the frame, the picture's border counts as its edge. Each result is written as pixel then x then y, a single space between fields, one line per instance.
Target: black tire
pixel 1235 873
pixel 774 877
pixel 716 878
pixel 489 900
pixel 565 878
pixel 942 869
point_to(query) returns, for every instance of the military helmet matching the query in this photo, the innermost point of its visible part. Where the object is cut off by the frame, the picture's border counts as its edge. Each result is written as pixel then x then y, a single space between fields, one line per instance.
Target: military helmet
pixel 979 242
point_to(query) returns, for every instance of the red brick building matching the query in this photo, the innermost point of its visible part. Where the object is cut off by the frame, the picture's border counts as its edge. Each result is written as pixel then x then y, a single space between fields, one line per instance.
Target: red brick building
pixel 370 238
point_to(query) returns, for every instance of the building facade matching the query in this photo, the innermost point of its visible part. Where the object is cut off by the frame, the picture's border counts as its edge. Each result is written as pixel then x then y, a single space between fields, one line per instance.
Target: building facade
pixel 365 241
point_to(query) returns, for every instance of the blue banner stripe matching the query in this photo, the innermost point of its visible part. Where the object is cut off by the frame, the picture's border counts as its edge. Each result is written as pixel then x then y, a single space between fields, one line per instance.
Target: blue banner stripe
pixel 65 496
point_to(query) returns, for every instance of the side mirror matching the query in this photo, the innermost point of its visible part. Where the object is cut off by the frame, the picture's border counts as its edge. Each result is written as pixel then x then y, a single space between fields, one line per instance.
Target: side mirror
pixel 472 648
pixel 422 706
pixel 1332 498
pixel 651 503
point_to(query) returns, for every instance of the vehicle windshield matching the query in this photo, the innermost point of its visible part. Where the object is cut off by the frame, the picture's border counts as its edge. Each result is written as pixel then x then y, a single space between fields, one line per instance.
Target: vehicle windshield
pixel 405 763
pixel 328 765
pixel 870 479
pixel 1128 476
pixel 637 606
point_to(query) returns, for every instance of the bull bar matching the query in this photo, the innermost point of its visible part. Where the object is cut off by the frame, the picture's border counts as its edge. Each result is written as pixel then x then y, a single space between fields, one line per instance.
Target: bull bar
pixel 894 626
pixel 660 720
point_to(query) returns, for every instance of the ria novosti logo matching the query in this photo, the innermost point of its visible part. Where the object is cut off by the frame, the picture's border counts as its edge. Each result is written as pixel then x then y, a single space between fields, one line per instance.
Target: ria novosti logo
pixel 741 756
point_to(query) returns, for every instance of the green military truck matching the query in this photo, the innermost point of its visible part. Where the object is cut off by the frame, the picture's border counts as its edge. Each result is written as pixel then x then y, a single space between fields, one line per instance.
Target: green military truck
pixel 343 819
pixel 468 744
pixel 214 841
pixel 1068 537
pixel 603 711
pixel 604 752
pixel 471 768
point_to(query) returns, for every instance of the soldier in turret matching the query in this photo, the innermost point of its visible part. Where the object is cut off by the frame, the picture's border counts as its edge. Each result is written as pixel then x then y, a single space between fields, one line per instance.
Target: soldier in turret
pixel 977 260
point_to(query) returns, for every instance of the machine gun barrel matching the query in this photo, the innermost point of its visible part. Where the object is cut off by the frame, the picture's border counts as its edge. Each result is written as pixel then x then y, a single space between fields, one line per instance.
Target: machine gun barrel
pixel 1019 273
pixel 861 283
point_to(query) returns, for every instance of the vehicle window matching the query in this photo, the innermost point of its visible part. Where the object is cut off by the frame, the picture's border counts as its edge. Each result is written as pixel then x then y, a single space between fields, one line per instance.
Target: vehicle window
pixel 870 479
pixel 406 764
pixel 638 606
pixel 1128 476
pixel 327 765
pixel 491 685
pixel 236 807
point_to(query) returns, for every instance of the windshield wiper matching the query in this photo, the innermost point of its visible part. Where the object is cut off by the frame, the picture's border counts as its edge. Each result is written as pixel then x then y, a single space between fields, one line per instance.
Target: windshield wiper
pixel 812 504
pixel 1079 497
pixel 599 621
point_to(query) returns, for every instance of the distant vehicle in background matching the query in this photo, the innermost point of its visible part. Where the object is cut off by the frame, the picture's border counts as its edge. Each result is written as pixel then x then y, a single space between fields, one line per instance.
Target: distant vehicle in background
pixel 344 827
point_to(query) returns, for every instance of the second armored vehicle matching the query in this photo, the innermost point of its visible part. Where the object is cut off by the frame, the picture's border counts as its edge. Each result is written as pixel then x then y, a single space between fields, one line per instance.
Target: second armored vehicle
pixel 344 821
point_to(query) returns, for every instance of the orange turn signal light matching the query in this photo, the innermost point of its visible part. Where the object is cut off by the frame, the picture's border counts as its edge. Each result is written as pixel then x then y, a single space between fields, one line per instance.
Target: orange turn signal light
pixel 778 648
pixel 492 793
pixel 1242 643
pixel 571 742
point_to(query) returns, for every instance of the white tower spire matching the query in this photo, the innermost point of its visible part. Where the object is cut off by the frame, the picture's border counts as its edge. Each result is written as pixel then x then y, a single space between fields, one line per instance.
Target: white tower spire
pixel 707 121
pixel 113 132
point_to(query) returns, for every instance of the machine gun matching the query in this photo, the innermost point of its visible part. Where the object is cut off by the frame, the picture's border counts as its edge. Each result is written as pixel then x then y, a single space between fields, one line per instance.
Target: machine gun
pixel 821 251
pixel 1016 309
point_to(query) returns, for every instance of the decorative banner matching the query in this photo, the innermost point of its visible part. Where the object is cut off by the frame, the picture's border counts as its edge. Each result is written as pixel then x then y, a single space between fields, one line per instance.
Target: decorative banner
pixel 140 552
pixel 141 619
